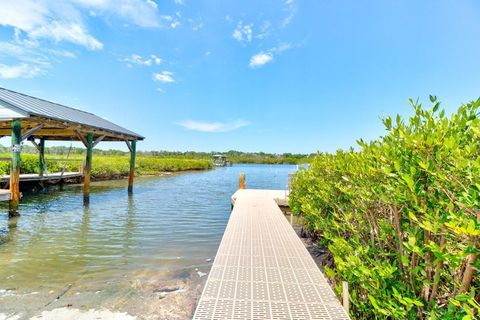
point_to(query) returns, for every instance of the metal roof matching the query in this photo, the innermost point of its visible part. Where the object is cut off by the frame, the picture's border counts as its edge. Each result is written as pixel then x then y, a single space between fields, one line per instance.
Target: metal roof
pixel 32 106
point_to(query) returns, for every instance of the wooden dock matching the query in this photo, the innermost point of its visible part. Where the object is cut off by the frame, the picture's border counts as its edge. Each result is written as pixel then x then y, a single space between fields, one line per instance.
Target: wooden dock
pixel 6 194
pixel 34 177
pixel 262 270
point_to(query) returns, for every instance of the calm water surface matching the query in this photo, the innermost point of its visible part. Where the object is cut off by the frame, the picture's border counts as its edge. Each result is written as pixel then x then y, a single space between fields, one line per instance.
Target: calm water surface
pixel 107 253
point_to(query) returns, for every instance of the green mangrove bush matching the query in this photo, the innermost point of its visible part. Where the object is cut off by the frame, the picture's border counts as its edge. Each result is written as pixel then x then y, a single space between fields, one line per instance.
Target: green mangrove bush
pixel 109 166
pixel 400 217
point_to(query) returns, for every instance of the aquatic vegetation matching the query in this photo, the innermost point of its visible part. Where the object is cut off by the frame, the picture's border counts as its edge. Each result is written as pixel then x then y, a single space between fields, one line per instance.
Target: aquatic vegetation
pixel 109 166
pixel 400 217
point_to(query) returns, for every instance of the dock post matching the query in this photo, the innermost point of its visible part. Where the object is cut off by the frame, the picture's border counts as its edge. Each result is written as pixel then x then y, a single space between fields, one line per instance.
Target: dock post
pixel 131 175
pixel 345 296
pixel 41 157
pixel 15 169
pixel 241 181
pixel 87 169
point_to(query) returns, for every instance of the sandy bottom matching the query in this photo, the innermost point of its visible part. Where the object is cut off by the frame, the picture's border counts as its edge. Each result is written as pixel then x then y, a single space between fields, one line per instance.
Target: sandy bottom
pixel 70 313
pixel 150 296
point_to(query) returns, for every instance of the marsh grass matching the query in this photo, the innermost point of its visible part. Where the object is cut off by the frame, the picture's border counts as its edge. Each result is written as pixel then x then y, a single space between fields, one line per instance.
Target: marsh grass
pixel 108 166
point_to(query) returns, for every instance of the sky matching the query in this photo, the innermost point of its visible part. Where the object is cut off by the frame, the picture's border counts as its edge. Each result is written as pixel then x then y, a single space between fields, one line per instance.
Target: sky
pixel 275 76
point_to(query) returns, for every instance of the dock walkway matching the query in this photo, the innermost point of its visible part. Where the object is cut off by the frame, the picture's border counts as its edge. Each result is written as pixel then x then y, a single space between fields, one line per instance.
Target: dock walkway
pixel 5 194
pixel 47 177
pixel 262 269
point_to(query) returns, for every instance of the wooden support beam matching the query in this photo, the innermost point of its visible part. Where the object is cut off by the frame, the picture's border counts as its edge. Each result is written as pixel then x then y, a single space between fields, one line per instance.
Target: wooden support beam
pixel 98 140
pixel 131 175
pixel 82 138
pixel 87 169
pixel 41 158
pixel 128 145
pixel 35 144
pixel 15 168
pixel 30 132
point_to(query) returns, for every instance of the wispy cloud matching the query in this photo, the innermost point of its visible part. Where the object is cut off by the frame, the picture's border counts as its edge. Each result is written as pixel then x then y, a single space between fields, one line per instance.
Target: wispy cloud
pixel 164 76
pixel 206 126
pixel 243 33
pixel 22 70
pixel 291 9
pixel 180 2
pixel 260 59
pixel 172 21
pixel 139 60
pixel 43 28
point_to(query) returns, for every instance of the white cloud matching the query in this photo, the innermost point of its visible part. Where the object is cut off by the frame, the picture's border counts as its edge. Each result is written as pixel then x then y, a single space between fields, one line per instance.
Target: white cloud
pixel 43 27
pixel 143 13
pixel 260 59
pixel 172 21
pixel 22 70
pixel 139 60
pixel 205 126
pixel 243 33
pixel 291 9
pixel 281 47
pixel 265 30
pixel 65 21
pixel 70 32
pixel 164 76
pixel 40 19
pixel 196 23
pixel 152 3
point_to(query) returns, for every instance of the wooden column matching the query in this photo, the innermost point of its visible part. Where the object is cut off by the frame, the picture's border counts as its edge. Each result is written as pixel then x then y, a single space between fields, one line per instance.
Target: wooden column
pixel 87 169
pixel 131 175
pixel 15 169
pixel 41 157
pixel 241 181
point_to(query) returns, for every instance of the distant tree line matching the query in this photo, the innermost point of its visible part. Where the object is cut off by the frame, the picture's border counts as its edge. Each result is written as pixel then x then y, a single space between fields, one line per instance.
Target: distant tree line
pixel 232 155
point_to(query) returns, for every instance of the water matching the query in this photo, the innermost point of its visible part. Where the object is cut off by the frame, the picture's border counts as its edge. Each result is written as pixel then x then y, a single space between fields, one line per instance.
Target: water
pixel 118 252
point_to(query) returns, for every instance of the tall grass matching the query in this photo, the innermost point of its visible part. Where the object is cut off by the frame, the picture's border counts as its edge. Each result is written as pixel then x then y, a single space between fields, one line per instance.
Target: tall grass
pixel 109 166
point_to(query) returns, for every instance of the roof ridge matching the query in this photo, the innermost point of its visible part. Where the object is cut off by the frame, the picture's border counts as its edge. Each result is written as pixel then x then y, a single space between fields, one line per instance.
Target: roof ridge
pixel 59 104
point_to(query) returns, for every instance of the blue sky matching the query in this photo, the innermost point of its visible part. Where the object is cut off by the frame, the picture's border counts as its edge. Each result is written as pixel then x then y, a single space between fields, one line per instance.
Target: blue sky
pixel 274 76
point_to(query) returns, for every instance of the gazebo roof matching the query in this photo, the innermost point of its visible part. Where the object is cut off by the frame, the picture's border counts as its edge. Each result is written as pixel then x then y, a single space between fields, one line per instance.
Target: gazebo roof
pixel 58 122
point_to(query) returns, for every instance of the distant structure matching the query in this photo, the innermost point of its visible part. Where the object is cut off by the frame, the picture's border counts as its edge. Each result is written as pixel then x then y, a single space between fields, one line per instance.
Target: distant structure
pixel 26 118
pixel 220 160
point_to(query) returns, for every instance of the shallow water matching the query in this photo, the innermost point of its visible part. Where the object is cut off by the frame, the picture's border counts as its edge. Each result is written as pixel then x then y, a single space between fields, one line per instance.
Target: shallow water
pixel 119 250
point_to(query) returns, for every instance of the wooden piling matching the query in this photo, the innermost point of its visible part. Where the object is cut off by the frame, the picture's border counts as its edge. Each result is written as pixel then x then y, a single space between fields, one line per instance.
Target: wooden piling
pixel 87 169
pixel 131 175
pixel 41 157
pixel 15 169
pixel 241 181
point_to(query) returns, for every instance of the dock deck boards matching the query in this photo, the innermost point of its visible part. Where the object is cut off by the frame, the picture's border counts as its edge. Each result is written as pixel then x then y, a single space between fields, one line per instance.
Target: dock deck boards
pixel 50 176
pixel 262 270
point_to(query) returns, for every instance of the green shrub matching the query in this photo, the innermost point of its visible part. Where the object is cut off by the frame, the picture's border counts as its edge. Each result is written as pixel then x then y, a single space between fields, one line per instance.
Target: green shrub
pixel 401 216
pixel 109 166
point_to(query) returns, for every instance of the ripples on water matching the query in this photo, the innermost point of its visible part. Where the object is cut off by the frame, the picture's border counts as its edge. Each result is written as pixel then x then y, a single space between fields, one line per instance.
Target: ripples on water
pixel 169 224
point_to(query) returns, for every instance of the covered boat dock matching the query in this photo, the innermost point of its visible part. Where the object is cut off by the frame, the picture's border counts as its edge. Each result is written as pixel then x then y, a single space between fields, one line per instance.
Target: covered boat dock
pixel 26 118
